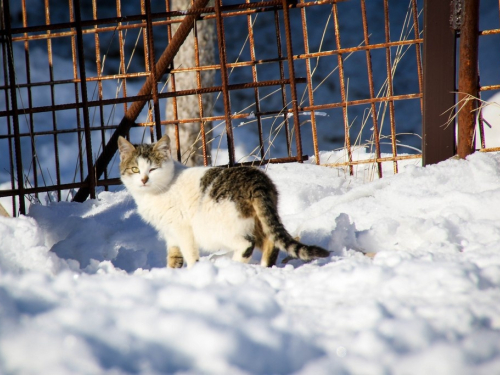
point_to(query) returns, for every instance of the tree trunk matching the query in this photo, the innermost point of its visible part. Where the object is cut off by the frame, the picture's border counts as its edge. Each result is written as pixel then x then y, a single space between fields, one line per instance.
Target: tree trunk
pixel 190 137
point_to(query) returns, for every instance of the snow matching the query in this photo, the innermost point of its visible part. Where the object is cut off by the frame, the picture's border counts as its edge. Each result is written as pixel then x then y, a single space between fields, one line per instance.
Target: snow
pixel 84 288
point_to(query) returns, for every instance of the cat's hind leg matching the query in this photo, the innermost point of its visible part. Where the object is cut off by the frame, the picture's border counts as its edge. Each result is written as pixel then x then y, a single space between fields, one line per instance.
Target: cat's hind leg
pixel 245 249
pixel 174 257
pixel 269 253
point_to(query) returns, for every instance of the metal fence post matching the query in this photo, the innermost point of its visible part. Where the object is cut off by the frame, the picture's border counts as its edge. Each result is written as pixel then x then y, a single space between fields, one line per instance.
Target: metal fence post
pixel 468 80
pixel 438 139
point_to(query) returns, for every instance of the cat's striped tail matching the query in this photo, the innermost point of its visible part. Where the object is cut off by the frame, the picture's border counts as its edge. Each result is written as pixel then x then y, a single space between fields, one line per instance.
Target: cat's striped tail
pixel 272 226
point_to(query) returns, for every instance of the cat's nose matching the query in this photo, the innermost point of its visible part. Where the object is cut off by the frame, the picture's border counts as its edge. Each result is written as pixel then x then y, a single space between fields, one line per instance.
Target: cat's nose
pixel 145 179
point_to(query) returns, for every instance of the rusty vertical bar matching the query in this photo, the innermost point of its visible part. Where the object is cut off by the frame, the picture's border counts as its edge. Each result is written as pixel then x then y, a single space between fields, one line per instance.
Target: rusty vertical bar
pixel 175 112
pixel 340 62
pixel 438 140
pixel 12 85
pixel 77 94
pixel 99 82
pixel 390 90
pixel 148 66
pixel 52 98
pixel 152 60
pixel 91 177
pixel 255 79
pixel 309 85
pixel 282 77
pixel 373 109
pixel 200 101
pixel 225 80
pixel 30 98
pixel 121 42
pixel 7 107
pixel 291 75
pixel 468 79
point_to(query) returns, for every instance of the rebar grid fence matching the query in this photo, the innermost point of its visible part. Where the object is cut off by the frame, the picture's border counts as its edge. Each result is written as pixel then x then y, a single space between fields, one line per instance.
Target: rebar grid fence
pixel 293 79
pixel 488 86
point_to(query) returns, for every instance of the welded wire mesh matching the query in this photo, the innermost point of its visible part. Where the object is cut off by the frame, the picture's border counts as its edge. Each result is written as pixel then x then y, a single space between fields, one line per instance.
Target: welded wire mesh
pixel 292 80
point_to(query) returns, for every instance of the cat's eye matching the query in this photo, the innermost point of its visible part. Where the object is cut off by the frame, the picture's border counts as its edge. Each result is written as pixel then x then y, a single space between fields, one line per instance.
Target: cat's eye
pixel 153 169
pixel 135 169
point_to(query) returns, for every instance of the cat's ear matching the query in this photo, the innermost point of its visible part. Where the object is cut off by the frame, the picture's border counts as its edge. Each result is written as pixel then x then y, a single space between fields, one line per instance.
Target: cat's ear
pixel 163 146
pixel 124 147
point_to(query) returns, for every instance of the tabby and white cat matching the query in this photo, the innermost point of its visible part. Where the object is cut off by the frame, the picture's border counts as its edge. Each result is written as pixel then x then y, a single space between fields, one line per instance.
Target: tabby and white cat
pixel 232 209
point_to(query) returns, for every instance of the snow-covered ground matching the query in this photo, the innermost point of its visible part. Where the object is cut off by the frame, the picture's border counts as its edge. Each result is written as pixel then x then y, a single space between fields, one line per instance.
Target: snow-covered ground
pixel 84 288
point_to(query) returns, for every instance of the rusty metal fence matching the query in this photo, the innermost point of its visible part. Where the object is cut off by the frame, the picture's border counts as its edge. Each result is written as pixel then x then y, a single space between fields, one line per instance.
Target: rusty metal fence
pixel 292 79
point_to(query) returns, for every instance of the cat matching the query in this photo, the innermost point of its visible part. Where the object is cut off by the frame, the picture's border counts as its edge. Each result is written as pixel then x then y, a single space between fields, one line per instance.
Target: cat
pixel 214 208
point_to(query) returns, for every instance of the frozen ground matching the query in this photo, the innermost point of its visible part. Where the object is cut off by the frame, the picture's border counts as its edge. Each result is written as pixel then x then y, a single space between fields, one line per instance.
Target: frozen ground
pixel 84 288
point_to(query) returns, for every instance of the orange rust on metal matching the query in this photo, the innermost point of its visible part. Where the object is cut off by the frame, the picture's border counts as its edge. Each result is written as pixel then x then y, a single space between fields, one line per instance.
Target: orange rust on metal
pixel 147 97
pixel 390 89
pixel 121 45
pixel 144 23
pixel 91 175
pixel 200 102
pixel 491 87
pixel 141 19
pixel 373 160
pixel 291 74
pixel 154 77
pixel 225 80
pixel 99 82
pixel 468 79
pixel 490 149
pixel 340 64
pixel 271 161
pixel 373 107
pixel 309 85
pixel 175 111
pixel 282 77
pixel 489 32
pixel 77 91
pixel 254 80
pixel 52 99
pixel 34 161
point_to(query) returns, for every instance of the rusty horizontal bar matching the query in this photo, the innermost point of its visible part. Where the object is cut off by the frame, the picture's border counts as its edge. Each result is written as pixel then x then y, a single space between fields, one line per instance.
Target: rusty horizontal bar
pixel 361 102
pixel 117 181
pixel 77 80
pixel 491 87
pixel 233 116
pixel 490 149
pixel 374 160
pixel 59 131
pixel 45 189
pixel 289 111
pixel 211 118
pixel 229 65
pixel 290 159
pixel 489 32
pixel 247 8
pixel 129 99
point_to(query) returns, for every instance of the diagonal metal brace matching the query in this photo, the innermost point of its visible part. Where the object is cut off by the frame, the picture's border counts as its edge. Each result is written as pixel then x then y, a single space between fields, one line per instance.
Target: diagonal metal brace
pixel 134 110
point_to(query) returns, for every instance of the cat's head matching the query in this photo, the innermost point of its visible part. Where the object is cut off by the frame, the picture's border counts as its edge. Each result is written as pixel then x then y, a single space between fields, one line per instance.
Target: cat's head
pixel 146 168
